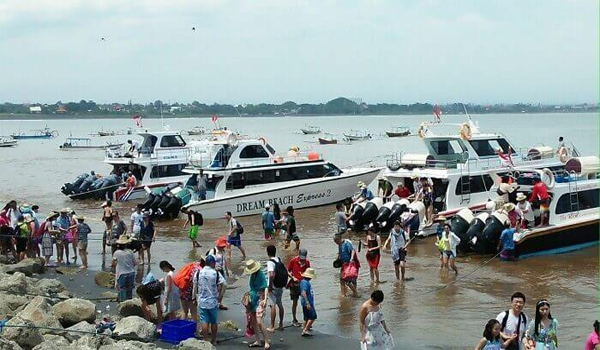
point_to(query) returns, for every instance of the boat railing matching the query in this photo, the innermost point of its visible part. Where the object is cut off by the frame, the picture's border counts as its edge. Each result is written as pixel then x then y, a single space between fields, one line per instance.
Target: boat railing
pixel 151 154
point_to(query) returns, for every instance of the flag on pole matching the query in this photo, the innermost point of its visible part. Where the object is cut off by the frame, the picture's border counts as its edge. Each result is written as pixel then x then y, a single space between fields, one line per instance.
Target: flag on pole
pixel 437 112
pixel 138 120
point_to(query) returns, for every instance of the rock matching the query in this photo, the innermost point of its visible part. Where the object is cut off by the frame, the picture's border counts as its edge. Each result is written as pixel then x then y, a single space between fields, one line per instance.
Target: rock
pixel 15 283
pixel 134 327
pixel 66 270
pixel 6 344
pixel 39 311
pixel 10 304
pixel 52 342
pixel 49 286
pixel 128 345
pixel 132 307
pixel 24 336
pixel 92 342
pixel 73 311
pixel 112 295
pixel 195 344
pixel 82 326
pixel 27 266
pixel 105 279
pixel 4 260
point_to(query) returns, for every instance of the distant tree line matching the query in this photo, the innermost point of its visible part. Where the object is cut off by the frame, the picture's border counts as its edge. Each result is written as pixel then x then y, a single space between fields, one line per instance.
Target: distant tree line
pixel 338 106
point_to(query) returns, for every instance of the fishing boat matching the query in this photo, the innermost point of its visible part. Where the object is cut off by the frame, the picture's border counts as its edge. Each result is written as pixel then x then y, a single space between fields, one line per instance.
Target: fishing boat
pixel 82 143
pixel 197 130
pixel 245 175
pixel 400 131
pixel 44 133
pixel 4 142
pixel 158 163
pixel 459 164
pixel 357 135
pixel 106 133
pixel 311 130
pixel 328 141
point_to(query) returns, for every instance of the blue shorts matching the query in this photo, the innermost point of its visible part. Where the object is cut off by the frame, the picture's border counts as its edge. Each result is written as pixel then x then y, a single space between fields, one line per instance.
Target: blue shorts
pixel 235 241
pixel 208 316
pixel 309 314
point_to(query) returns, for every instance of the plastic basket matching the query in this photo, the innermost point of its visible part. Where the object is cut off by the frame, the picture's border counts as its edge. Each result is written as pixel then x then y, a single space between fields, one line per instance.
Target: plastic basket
pixel 176 331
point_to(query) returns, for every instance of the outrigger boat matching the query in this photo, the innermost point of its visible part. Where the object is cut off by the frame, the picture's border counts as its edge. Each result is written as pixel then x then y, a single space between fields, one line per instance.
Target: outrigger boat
pixel 44 133
pixel 82 143
pixel 311 130
pixel 400 131
pixel 357 135
pixel 197 130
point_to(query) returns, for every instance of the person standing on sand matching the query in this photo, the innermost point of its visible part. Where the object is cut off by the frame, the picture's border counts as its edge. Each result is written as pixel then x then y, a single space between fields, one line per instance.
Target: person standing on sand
pixel 268 223
pixel 124 263
pixel 172 302
pixel 195 220
pixel 207 283
pixel 296 268
pixel 256 302
pixel 340 218
pixel 233 235
pixel 83 230
pixel 275 293
pixel 374 333
pixel 308 301
pixel 107 219
pixel 117 230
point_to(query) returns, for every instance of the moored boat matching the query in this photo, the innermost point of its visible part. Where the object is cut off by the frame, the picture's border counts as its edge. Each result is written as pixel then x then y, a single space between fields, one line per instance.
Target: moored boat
pixel 311 130
pixel 44 133
pixel 357 135
pixel 400 131
pixel 4 143
pixel 82 143
pixel 328 141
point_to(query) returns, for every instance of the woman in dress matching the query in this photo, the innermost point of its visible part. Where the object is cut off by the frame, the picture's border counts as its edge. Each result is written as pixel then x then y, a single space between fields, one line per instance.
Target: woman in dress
pixel 172 302
pixel 257 301
pixel 541 334
pixel 48 232
pixel 373 253
pixel 374 333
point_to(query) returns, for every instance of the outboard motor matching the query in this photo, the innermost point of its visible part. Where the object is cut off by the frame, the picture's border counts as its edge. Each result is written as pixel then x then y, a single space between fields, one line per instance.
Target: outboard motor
pixel 85 184
pixel 475 228
pixel 487 241
pixel 460 224
pixel 148 203
pixel 384 212
pixel 357 213
pixel 419 207
pixel 163 204
pixel 109 185
pixel 371 211
pixel 172 209
pixel 156 202
pixel 69 188
pixel 397 210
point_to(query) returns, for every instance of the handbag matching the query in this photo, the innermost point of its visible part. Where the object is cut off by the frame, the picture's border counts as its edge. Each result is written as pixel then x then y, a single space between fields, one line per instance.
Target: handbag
pixel 349 271
pixel 246 300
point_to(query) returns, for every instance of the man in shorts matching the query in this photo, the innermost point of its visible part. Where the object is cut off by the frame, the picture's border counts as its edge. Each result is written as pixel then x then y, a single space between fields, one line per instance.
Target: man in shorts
pixel 296 267
pixel 83 230
pixel 268 223
pixel 398 242
pixel 291 228
pixel 207 283
pixel 275 293
pixel 233 236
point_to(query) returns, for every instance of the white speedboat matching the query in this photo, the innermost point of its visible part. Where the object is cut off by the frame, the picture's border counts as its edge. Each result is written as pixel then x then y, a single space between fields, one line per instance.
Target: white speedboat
pixel 459 163
pixel 243 176
pixel 7 142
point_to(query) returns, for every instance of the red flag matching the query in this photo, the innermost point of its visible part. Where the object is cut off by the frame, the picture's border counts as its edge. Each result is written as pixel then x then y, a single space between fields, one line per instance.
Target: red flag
pixel 138 120
pixel 214 118
pixel 437 111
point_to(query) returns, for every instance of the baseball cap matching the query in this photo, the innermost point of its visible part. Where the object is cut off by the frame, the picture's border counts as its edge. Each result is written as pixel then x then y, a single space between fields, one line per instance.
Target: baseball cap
pixel 302 253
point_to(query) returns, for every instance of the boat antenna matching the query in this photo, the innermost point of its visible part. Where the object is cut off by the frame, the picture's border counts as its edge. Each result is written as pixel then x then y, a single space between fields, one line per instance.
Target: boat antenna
pixel 466 113
pixel 161 116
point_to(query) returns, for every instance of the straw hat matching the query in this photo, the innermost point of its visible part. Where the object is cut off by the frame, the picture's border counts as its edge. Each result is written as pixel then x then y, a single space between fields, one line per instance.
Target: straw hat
pixel 509 207
pixel 124 239
pixel 521 196
pixel 64 210
pixel 221 242
pixel 52 215
pixel 309 273
pixel 79 217
pixel 251 267
pixel 440 218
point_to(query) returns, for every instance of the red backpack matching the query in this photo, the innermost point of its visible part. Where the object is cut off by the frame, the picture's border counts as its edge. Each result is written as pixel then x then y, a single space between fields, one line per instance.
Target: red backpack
pixel 183 277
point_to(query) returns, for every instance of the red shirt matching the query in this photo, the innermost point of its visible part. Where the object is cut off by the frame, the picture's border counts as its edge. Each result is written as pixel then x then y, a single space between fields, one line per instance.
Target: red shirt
pixel 539 192
pixel 3 221
pixel 295 269
pixel 402 192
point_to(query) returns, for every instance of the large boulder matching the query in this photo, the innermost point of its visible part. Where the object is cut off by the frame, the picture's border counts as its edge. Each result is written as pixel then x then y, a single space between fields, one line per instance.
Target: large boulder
pixel 105 279
pixel 80 330
pixel 16 283
pixel 5 260
pixel 92 342
pixel 27 266
pixel 49 286
pixel 195 344
pixel 73 311
pixel 129 345
pixel 135 327
pixel 52 342
pixel 6 344
pixel 26 336
pixel 10 304
pixel 132 307
pixel 39 311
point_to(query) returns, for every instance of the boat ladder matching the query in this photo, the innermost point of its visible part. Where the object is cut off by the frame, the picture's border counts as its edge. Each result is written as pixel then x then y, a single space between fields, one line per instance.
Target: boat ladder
pixel 573 192
pixel 465 184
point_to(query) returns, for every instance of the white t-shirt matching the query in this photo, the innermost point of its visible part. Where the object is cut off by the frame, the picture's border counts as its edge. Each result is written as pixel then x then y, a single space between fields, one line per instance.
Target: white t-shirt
pixel 231 224
pixel 137 219
pixel 218 258
pixel 271 267
pixel 511 324
pixel 527 211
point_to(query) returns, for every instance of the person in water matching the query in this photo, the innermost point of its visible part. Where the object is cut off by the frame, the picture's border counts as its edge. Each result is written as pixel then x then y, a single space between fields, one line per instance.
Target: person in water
pixel 373 254
pixel 450 241
pixel 513 322
pixel 592 342
pixel 542 333
pixel 374 333
pixel 492 339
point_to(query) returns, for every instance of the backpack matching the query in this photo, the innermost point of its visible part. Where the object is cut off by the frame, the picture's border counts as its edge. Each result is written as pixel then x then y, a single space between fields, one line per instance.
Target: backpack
pixel 505 320
pixel 280 279
pixel 183 277
pixel 198 219
pixel 239 227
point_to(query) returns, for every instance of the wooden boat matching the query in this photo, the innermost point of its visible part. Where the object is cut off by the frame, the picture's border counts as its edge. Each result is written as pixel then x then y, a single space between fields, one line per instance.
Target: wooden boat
pixel 79 143
pixel 357 135
pixel 44 133
pixel 7 143
pixel 197 130
pixel 106 133
pixel 400 131
pixel 330 141
pixel 311 130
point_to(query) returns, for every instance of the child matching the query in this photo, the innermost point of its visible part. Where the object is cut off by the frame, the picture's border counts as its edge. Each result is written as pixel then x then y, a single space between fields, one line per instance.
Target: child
pixel 491 337
pixel 83 230
pixel 171 302
pixel 308 302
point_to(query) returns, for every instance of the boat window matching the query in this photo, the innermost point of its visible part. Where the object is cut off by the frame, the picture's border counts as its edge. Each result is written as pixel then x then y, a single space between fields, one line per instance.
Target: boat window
pixel 235 182
pixel 167 171
pixel 172 141
pixel 485 148
pixel 213 182
pixel 330 170
pixel 254 151
pixel 583 200
pixel 271 149
pixel 446 147
pixel 477 184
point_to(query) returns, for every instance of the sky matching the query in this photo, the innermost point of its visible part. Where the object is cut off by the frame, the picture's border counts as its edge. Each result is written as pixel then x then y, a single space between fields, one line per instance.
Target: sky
pixel 272 51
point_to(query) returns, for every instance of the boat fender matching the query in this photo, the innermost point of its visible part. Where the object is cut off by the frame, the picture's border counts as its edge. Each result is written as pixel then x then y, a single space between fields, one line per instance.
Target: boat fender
pixel 563 154
pixel 465 131
pixel 548 178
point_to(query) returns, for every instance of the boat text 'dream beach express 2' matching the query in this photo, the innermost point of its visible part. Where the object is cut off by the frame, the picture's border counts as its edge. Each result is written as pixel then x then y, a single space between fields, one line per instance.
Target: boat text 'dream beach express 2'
pixel 245 175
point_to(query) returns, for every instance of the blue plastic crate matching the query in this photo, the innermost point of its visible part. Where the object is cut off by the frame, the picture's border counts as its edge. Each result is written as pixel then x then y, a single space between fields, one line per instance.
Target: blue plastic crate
pixel 176 331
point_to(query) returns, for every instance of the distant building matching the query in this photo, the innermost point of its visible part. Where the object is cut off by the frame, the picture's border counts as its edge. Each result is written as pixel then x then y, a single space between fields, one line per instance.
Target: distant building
pixel 175 108
pixel 35 109
pixel 61 109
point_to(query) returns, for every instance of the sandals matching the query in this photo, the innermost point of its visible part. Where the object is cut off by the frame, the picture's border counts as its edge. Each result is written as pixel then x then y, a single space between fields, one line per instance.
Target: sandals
pixel 255 345
pixel 306 334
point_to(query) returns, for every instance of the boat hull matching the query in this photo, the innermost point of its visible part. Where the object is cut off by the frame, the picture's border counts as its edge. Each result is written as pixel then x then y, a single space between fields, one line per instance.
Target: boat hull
pixel 310 132
pixel 327 142
pixel 397 134
pixel 558 239
pixel 324 191
pixel 8 144
pixel 31 137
